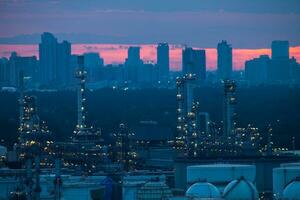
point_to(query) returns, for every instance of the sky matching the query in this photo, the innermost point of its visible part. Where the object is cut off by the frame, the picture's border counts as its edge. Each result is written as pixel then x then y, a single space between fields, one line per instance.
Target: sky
pixel 202 23
pixel 248 25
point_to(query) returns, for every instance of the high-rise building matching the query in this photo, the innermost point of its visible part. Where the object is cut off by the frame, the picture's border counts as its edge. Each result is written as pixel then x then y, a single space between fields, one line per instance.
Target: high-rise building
pixel 64 72
pixel 146 74
pixel 279 70
pixel 48 57
pixel 224 60
pixel 54 60
pixel 4 72
pixel 163 61
pixel 280 50
pixel 132 64
pixel 194 62
pixel 16 64
pixel 93 65
pixel 256 70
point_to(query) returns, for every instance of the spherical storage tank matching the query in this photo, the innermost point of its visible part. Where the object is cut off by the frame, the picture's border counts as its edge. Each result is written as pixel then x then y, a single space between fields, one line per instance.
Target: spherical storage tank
pixel 292 190
pixel 240 189
pixel 220 174
pixel 282 177
pixel 203 190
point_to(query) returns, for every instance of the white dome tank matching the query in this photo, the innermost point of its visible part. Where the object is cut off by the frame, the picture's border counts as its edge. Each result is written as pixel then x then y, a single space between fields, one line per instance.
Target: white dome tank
pixel 240 189
pixel 203 190
pixel 220 174
pixel 282 176
pixel 292 190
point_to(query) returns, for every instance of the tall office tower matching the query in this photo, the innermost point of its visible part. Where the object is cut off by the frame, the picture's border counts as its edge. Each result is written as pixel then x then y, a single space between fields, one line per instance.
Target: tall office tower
pixel 64 72
pixel 54 60
pixel 48 57
pixel 146 74
pixel 132 64
pixel 280 50
pixel 28 65
pixel 163 61
pixel 295 70
pixel 194 62
pixel 280 64
pixel 256 70
pixel 4 72
pixel 93 65
pixel 224 60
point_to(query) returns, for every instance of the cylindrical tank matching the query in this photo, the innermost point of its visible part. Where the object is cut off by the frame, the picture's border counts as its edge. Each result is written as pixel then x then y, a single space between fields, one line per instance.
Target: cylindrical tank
pixel 293 164
pixel 220 174
pixel 282 176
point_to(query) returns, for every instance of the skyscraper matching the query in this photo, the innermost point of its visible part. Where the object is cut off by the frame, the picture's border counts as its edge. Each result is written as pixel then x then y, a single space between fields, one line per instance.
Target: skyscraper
pixel 280 49
pixel 280 64
pixel 93 65
pixel 163 61
pixel 132 63
pixel 256 70
pixel 4 71
pixel 224 60
pixel 54 60
pixel 16 64
pixel 194 62
pixel 48 57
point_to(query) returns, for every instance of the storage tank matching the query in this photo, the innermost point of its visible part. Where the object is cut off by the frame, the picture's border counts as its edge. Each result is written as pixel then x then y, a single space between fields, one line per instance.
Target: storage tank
pixel 292 190
pixel 7 185
pixel 282 176
pixel 240 189
pixel 220 174
pixel 293 164
pixel 132 183
pixel 203 190
pixel 156 190
pixel 77 187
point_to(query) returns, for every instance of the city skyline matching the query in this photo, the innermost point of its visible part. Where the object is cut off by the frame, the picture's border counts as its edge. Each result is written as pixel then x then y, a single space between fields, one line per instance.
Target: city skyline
pixel 117 53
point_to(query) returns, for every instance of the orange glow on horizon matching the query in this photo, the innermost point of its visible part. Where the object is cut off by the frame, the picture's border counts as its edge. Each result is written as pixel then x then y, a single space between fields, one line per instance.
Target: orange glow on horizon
pixel 117 53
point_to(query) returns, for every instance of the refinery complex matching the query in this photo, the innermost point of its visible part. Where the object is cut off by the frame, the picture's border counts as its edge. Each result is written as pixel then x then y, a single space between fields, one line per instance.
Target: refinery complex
pixel 203 161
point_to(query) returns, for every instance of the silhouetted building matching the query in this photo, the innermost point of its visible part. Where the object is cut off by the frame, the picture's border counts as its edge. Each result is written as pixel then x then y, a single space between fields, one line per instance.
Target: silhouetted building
pixel 4 71
pixel 280 50
pixel 295 70
pixel 224 60
pixel 93 64
pixel 54 60
pixel 132 64
pixel 163 61
pixel 147 74
pixel 113 74
pixel 64 72
pixel 194 62
pixel 280 64
pixel 28 65
pixel 256 70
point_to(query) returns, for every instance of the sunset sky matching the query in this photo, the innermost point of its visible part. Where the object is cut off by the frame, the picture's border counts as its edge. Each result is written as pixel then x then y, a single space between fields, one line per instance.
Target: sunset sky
pixel 115 53
pixel 250 26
